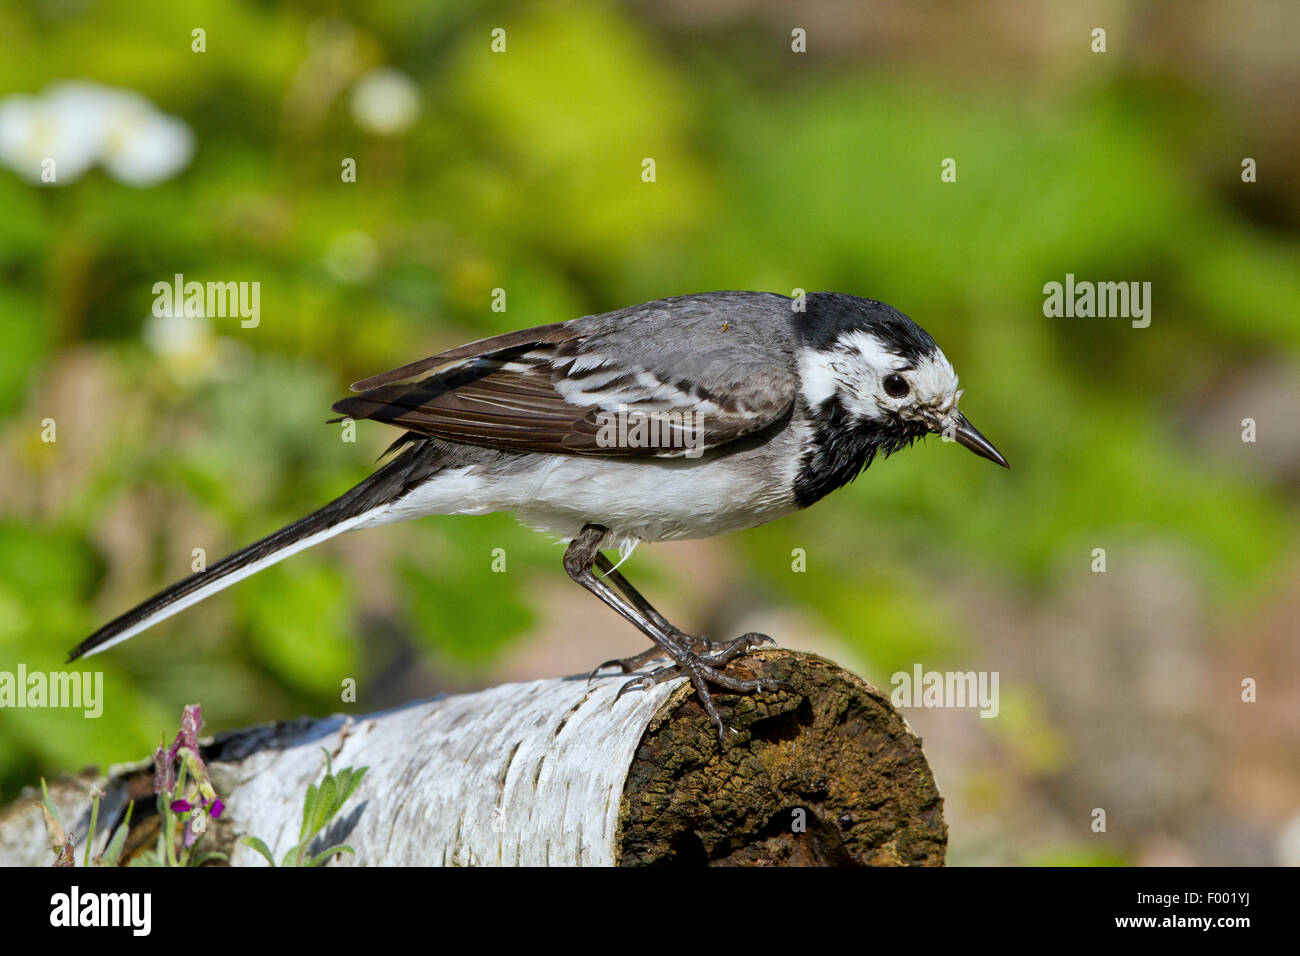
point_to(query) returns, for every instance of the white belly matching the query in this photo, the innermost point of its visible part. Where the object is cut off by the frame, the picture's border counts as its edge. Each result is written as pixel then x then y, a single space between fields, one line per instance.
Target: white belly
pixel 638 499
pixel 648 500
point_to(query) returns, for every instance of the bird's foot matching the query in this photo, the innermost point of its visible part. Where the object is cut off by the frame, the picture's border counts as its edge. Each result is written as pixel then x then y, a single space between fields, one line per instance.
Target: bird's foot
pixel 699 645
pixel 630 665
pixel 704 669
pixel 716 655
pixel 720 655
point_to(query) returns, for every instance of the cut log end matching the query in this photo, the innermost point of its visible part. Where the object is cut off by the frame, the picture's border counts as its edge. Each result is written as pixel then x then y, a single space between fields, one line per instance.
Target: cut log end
pixel 826 775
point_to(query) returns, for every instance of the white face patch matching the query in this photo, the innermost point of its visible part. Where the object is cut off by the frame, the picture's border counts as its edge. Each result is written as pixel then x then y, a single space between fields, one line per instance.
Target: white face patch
pixel 856 370
pixel 818 376
pixel 934 387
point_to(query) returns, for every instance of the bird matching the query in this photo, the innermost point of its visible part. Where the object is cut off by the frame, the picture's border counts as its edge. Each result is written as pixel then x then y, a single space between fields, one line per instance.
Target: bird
pixel 684 417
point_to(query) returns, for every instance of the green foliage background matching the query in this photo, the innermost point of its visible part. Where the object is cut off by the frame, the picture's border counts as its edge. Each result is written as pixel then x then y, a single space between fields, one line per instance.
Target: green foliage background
pixel 774 171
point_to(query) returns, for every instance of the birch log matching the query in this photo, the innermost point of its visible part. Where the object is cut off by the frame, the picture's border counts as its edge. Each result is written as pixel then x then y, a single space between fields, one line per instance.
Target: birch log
pixel 560 772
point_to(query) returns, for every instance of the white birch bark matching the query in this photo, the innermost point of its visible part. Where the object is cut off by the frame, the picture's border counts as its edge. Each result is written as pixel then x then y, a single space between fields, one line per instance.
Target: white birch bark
pixel 527 774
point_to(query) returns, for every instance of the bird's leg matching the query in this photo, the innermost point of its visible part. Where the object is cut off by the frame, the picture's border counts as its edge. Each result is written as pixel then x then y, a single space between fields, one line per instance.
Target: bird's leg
pixel 717 656
pixel 630 664
pixel 611 573
pixel 583 554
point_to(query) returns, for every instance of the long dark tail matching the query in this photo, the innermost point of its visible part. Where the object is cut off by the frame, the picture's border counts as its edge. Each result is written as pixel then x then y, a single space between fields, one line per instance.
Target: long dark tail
pixel 363 502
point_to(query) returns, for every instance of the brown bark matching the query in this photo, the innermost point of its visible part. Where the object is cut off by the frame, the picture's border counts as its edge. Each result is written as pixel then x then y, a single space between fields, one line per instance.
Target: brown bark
pixel 835 750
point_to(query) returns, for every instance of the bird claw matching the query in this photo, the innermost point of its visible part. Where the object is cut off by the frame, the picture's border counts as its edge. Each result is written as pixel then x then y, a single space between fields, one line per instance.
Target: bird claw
pixel 630 665
pixel 722 654
pixel 646 681
pixel 704 668
pixel 601 666
pixel 711 653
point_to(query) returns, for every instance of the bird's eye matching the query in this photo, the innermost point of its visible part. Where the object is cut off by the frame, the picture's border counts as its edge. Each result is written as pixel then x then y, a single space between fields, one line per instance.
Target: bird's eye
pixel 895 385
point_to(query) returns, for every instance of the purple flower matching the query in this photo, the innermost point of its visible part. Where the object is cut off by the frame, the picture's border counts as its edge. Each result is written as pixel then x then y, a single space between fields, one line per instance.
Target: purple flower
pixel 197 798
pixel 191 724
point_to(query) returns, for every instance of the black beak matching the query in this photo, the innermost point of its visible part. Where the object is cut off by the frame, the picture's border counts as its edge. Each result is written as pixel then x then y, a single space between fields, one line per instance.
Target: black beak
pixel 969 435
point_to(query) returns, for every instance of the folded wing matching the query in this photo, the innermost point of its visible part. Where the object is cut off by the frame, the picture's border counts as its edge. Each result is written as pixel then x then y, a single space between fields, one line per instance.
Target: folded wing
pixel 576 388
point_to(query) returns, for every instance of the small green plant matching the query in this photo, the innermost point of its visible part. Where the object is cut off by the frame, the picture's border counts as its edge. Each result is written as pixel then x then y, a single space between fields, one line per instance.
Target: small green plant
pixel 321 805
pixel 61 843
pixel 186 799
pixel 187 802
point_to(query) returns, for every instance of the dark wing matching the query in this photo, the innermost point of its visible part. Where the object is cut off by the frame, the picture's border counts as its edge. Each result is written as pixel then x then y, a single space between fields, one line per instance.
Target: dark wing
pixel 589 387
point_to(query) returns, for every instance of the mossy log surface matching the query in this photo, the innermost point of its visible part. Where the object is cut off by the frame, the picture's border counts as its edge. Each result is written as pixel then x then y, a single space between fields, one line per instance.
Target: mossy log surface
pixel 829 775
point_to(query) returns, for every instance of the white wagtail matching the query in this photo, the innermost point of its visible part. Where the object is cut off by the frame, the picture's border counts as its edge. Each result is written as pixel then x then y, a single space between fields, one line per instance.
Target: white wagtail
pixel 680 418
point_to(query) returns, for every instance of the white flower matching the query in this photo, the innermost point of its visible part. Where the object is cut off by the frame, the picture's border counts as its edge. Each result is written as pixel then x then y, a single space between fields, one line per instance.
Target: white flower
pixel 34 131
pixel 385 101
pixel 142 146
pixel 77 124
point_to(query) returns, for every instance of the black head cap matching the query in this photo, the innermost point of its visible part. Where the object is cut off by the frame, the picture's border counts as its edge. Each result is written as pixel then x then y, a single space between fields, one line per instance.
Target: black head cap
pixel 829 315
